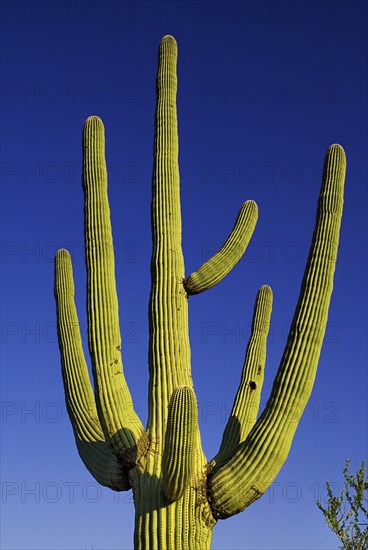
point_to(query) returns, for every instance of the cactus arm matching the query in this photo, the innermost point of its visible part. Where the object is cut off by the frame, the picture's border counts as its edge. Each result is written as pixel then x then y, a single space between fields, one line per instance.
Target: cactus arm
pixel 99 459
pixel 103 464
pixel 169 351
pixel 246 404
pixel 122 428
pixel 180 442
pixel 259 458
pixel 216 268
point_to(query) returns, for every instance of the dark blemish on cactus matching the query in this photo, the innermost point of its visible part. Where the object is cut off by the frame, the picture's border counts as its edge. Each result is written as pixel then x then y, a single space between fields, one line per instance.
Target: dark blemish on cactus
pixel 259 369
pixel 252 385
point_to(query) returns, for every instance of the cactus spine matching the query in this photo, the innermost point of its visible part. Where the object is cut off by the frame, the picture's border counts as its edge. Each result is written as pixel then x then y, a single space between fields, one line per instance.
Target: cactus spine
pixel 178 494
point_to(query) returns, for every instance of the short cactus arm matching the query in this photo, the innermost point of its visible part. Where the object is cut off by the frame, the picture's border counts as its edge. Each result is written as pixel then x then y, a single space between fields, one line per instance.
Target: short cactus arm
pixel 122 428
pixel 180 442
pixel 246 404
pixel 259 458
pixel 98 457
pixel 220 265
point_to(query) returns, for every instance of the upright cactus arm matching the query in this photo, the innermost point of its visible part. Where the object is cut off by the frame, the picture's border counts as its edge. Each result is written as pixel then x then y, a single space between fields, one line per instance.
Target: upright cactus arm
pixel 246 404
pixel 98 457
pixel 180 442
pixel 122 428
pixel 258 459
pixel 220 265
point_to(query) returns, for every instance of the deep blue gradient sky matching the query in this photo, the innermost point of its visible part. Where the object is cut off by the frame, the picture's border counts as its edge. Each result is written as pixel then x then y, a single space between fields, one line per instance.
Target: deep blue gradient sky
pixel 264 89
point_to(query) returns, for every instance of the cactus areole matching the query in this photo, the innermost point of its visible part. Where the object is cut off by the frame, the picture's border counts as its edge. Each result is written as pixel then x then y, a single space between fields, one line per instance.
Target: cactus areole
pixel 178 494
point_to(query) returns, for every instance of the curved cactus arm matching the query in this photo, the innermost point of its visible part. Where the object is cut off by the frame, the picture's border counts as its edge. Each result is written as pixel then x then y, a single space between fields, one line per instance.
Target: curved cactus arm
pixel 103 464
pixel 122 428
pixel 220 265
pixel 98 457
pixel 246 404
pixel 180 442
pixel 259 458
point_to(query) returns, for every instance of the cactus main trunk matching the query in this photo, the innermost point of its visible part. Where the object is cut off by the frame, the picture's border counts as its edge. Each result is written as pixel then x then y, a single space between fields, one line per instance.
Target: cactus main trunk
pixel 161 523
pixel 178 494
pixel 169 351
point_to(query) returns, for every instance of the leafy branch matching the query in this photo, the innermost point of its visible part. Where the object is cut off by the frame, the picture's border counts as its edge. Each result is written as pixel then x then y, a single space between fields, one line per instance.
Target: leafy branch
pixel 347 514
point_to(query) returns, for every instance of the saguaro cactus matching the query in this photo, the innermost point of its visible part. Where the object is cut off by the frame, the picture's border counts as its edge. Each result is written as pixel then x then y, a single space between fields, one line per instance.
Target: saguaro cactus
pixel 179 495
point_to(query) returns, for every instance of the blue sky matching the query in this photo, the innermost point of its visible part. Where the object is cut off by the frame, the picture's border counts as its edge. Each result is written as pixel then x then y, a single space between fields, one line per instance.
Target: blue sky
pixel 264 89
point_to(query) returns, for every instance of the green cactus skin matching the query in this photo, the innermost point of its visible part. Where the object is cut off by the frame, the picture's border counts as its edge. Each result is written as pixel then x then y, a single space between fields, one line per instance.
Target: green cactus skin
pixel 217 267
pixel 93 449
pixel 180 442
pixel 246 404
pixel 178 494
pixel 258 459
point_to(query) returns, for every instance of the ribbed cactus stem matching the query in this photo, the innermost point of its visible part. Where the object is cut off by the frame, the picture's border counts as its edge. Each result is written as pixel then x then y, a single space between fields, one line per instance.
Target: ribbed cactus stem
pixel 180 442
pixel 121 425
pixel 216 268
pixel 169 351
pixel 246 404
pixel 259 458
pixel 159 524
pixel 95 453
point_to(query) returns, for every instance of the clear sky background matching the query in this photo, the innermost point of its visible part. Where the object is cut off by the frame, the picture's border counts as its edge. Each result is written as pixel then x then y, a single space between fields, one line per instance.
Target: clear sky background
pixel 264 88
